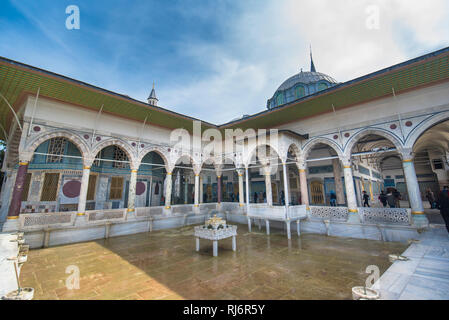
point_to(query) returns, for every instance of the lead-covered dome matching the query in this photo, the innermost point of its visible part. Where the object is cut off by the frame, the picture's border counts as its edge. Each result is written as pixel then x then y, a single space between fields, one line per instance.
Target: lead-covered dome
pixel 300 85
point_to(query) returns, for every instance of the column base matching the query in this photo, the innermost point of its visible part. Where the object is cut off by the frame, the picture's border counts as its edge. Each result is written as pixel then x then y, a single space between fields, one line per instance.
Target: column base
pixel 81 219
pixel 11 225
pixel 420 220
pixel 353 216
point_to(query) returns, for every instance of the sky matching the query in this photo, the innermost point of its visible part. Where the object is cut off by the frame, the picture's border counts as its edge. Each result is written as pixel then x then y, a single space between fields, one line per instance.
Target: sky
pixel 218 59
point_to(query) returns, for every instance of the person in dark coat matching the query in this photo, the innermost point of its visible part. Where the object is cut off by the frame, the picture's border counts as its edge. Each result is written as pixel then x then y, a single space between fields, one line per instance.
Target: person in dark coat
pixel 431 198
pixel 391 199
pixel 383 199
pixel 255 197
pixel 444 205
pixel 333 199
pixel 365 199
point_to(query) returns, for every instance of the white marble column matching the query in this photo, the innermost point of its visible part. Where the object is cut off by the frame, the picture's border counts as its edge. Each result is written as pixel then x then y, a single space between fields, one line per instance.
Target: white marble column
pixel 350 191
pixel 414 194
pixel 302 166
pixel 132 191
pixel 168 186
pixel 241 193
pixel 247 186
pixel 338 183
pixel 286 191
pixel 83 190
pixel 269 193
pixel 201 190
pixel 197 190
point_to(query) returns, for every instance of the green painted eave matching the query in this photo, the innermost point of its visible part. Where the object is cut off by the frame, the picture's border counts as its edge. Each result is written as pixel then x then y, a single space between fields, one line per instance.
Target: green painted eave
pixel 414 74
pixel 17 80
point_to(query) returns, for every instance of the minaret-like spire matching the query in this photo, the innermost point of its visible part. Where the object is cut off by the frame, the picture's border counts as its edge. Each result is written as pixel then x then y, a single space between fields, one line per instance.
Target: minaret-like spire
pixel 152 99
pixel 312 65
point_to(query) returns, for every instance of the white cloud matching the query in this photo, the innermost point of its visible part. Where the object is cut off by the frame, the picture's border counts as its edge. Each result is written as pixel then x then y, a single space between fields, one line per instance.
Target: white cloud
pixel 268 43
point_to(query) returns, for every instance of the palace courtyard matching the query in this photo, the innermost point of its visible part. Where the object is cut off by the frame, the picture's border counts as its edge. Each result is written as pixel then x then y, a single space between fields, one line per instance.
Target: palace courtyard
pixel 163 264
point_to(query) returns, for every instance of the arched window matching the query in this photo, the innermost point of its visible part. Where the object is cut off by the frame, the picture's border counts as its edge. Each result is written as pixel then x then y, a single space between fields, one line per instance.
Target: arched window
pixel 300 92
pixel 322 86
pixel 279 99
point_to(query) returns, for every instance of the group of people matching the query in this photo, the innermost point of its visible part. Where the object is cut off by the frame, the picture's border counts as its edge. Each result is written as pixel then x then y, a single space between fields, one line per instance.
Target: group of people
pixel 260 197
pixel 391 199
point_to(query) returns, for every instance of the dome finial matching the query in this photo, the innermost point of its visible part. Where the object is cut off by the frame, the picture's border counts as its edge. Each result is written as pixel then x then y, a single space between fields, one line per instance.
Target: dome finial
pixel 152 99
pixel 312 65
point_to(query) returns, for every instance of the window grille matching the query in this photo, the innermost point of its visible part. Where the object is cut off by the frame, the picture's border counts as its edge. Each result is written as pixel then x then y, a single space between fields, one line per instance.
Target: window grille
pixel 116 188
pixel 91 187
pixel 56 148
pixel 26 187
pixel 119 155
pixel 50 187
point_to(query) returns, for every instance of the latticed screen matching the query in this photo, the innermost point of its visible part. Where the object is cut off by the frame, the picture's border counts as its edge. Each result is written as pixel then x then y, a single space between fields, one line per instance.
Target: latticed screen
pixel 119 155
pixel 26 187
pixel 116 188
pixel 91 187
pixel 50 187
pixel 56 148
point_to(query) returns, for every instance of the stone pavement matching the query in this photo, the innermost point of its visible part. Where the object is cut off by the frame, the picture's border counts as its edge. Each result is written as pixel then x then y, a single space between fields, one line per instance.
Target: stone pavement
pixel 426 275
pixel 164 265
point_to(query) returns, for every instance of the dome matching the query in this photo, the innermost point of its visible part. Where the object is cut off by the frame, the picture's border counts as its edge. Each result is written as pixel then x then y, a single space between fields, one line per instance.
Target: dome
pixel 306 78
pixel 300 85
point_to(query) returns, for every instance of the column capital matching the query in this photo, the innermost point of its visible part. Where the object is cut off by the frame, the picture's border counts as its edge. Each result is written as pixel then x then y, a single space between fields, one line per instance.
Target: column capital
pixel 301 163
pixel 407 155
pixel 25 157
pixel 347 162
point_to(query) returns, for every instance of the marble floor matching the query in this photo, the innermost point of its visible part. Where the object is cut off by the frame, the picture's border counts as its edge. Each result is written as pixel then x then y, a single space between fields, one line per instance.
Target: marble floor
pixel 164 265
pixel 426 275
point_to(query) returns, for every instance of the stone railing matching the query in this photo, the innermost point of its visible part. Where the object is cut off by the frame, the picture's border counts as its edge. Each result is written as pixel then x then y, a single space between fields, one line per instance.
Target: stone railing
pixel 207 208
pixel 229 206
pixel 34 221
pixel 329 213
pixel 182 209
pixel 297 211
pixel 112 215
pixel 264 211
pixel 385 215
pixel 149 211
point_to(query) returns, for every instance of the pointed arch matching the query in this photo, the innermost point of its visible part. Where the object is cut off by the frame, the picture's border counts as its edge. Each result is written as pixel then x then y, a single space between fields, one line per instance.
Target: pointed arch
pixel 315 141
pixel 119 143
pixel 70 136
pixel 372 131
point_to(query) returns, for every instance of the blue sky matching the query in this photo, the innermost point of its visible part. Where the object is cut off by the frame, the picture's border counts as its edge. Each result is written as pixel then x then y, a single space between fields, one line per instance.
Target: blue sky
pixel 217 59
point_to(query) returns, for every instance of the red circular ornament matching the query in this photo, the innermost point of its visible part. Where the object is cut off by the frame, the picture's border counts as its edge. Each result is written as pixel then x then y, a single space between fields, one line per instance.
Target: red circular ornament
pixel 72 189
pixel 140 188
pixel 409 123
pixel 393 127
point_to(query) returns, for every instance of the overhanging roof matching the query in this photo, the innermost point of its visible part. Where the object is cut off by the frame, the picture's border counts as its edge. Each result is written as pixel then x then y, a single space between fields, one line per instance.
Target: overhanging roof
pixel 17 80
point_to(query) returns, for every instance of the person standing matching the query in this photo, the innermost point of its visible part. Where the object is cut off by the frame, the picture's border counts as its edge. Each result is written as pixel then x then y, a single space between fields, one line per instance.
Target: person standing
pixel 383 199
pixel 444 205
pixel 397 197
pixel 431 198
pixel 333 199
pixel 391 199
pixel 365 199
pixel 255 197
pixel 282 198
